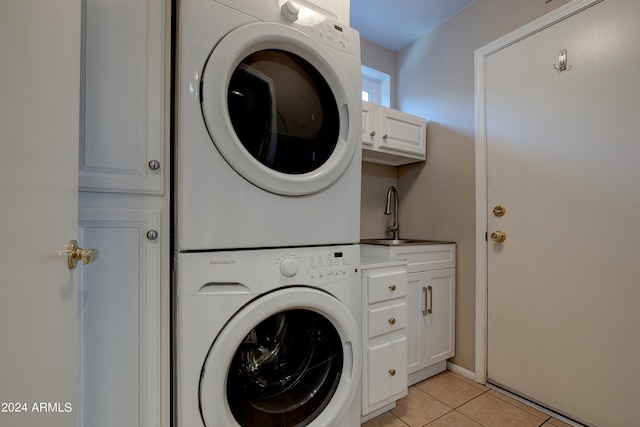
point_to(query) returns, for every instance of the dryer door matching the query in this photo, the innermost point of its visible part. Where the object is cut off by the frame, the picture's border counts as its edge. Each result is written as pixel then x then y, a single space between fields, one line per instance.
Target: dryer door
pixel 279 109
pixel 289 358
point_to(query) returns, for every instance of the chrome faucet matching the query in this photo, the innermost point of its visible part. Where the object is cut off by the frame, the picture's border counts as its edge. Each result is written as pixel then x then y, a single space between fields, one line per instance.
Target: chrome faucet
pixel 395 227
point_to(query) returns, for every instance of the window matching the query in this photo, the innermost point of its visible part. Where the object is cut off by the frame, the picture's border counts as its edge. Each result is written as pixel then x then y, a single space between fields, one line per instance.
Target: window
pixel 376 86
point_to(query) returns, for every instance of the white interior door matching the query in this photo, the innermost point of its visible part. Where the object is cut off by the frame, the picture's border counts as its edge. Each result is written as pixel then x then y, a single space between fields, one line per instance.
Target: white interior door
pixel 39 114
pixel 563 152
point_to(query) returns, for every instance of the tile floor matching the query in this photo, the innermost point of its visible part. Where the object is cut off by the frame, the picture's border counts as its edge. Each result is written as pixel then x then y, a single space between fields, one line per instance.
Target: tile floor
pixel 450 400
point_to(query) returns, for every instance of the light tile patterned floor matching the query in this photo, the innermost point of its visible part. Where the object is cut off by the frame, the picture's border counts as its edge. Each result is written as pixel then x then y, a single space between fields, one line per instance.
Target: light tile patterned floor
pixel 450 400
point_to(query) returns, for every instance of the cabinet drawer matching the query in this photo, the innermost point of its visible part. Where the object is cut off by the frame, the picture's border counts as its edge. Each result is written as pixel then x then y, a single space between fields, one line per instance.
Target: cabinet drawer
pixel 387 319
pixel 423 258
pixel 387 370
pixel 386 286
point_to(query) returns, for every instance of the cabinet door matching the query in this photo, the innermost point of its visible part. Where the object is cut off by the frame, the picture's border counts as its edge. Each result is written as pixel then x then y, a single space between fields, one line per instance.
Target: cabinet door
pixel 119 332
pixel 369 124
pixel 440 315
pixel 416 322
pixel 121 146
pixel 403 133
pixel 387 370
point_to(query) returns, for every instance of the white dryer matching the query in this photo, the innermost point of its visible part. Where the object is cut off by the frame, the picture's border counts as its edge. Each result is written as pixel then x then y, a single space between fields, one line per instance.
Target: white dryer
pixel 267 121
pixel 267 338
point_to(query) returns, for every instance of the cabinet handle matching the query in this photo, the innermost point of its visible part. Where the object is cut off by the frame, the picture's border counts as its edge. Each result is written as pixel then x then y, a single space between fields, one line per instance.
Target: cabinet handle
pixel 392 288
pixel 392 321
pixel 392 372
pixel 385 136
pixel 372 134
pixel 428 300
pixel 152 234
pixel 154 165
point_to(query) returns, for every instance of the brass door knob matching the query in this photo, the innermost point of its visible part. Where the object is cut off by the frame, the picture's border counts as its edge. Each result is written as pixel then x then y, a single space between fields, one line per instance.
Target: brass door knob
pixel 392 372
pixel 76 254
pixel 498 236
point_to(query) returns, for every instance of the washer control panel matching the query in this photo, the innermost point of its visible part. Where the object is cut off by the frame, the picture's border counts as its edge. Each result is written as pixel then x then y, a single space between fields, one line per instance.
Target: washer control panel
pixel 261 270
pixel 317 265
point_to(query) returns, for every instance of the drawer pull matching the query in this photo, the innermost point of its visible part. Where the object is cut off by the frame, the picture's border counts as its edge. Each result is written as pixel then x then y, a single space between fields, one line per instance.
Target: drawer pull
pixel 392 288
pixel 392 321
pixel 392 372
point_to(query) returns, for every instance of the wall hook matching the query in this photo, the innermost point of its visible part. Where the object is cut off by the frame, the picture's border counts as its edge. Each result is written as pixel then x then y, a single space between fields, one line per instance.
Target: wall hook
pixel 562 62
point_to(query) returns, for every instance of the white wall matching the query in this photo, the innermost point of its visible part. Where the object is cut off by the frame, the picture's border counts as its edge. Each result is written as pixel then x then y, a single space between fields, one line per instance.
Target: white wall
pixel 435 80
pixel 381 59
pixel 376 179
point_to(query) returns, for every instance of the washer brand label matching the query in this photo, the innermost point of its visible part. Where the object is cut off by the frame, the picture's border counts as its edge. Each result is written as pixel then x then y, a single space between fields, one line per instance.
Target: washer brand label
pixel 223 262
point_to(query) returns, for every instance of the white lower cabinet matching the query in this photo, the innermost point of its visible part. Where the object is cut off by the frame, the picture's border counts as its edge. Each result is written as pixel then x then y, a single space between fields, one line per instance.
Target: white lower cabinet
pixel 384 338
pixel 431 329
pixel 431 287
pixel 119 318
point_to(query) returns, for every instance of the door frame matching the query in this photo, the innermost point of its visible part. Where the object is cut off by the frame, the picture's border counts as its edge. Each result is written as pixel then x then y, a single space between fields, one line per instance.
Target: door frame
pixel 480 58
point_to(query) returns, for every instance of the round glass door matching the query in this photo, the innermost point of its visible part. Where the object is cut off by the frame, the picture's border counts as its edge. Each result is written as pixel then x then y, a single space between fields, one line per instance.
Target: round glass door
pixel 279 109
pixel 285 371
pixel 283 111
pixel 291 357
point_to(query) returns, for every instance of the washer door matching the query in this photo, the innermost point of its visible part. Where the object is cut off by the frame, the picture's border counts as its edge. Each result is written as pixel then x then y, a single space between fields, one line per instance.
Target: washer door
pixel 289 358
pixel 279 109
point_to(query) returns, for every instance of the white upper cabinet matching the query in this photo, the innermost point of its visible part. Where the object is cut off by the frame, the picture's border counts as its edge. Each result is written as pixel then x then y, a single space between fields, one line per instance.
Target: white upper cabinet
pixel 334 9
pixel 392 137
pixel 369 125
pixel 121 148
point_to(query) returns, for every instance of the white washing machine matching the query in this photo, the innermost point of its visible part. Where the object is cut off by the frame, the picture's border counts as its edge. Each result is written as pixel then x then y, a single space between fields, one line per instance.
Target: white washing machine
pixel 268 114
pixel 268 338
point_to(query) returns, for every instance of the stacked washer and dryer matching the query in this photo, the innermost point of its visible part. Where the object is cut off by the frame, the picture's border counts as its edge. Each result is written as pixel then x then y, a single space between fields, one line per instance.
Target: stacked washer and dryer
pixel 267 300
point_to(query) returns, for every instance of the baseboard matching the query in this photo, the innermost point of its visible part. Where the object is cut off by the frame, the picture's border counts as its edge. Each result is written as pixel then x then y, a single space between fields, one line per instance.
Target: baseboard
pixel 456 369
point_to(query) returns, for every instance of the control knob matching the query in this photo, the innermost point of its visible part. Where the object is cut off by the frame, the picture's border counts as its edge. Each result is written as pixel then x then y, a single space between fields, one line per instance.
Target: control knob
pixel 290 10
pixel 288 267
